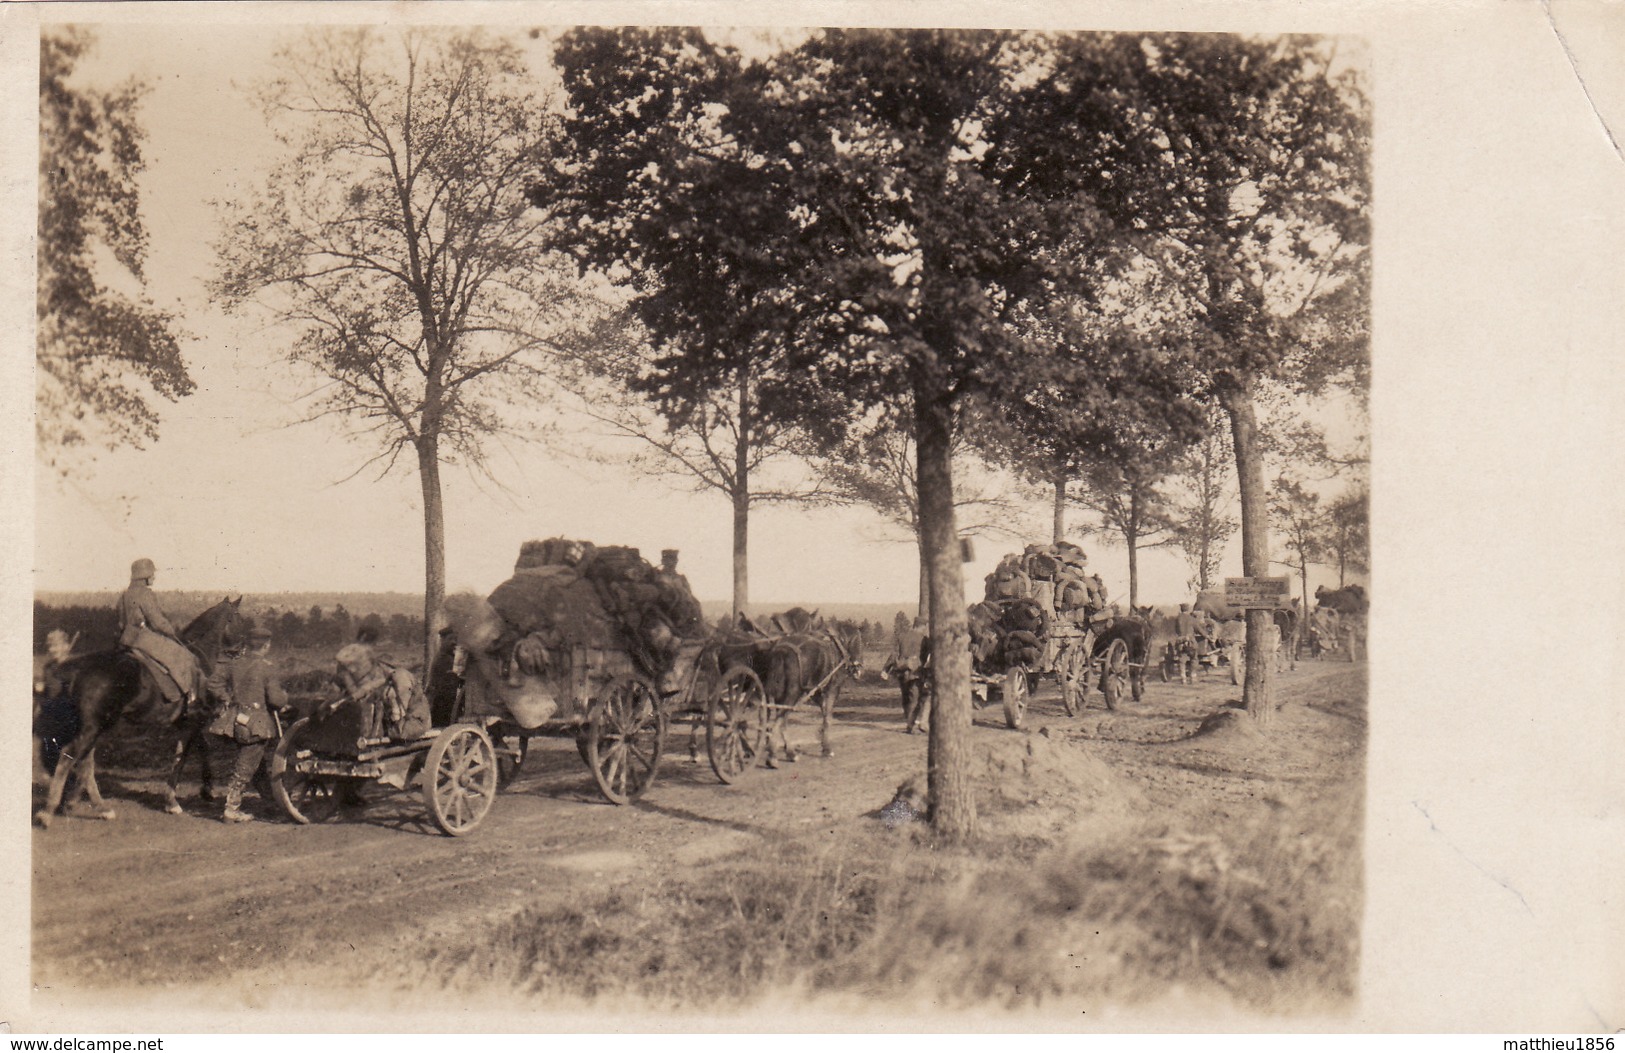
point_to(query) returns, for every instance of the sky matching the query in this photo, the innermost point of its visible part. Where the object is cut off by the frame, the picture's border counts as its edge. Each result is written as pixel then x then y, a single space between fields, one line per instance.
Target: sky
pixel 234 498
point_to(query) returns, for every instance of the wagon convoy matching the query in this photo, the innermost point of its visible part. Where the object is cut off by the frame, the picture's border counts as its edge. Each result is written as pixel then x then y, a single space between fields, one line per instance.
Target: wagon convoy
pixel 1044 613
pixel 588 642
pixel 596 644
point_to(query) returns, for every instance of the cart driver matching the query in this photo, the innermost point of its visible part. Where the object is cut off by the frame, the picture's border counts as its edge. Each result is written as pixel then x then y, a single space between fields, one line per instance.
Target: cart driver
pixel 393 704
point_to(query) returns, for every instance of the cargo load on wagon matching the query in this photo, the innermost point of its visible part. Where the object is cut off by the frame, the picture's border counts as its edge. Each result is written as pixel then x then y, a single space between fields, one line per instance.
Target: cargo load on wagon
pixel 566 596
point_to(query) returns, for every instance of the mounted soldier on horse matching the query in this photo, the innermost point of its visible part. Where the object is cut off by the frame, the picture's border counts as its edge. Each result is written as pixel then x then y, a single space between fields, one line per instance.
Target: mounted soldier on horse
pixel 148 634
pixel 154 680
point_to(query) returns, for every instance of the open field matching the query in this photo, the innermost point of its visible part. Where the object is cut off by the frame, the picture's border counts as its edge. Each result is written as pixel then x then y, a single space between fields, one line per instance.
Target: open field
pixel 1125 858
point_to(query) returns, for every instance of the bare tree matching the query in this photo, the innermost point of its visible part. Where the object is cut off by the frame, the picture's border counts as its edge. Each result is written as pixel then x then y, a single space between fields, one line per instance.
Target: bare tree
pixel 880 468
pixel 395 241
pixel 1130 505
pixel 1297 514
pixel 715 442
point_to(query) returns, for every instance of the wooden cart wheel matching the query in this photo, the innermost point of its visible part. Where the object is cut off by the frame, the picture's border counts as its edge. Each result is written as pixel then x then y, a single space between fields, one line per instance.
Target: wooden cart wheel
pixel 508 766
pixel 305 798
pixel 460 778
pixel 736 724
pixel 1114 673
pixel 625 738
pixel 1072 694
pixel 1015 696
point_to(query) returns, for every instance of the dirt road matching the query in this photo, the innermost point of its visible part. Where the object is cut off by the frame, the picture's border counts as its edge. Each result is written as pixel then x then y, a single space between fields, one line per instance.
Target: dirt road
pixel 176 901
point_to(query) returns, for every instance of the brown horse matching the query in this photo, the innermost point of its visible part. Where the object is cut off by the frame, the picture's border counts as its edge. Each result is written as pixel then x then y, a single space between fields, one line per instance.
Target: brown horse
pixel 813 662
pixel 110 685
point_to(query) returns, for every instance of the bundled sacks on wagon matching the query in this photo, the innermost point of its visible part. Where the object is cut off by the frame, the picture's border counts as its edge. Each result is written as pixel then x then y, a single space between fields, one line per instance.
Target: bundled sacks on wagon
pixel 573 610
pixel 1056 576
pixel 1043 613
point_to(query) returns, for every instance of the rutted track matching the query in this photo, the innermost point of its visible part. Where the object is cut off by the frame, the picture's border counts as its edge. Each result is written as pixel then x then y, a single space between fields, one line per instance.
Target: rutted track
pixel 154 899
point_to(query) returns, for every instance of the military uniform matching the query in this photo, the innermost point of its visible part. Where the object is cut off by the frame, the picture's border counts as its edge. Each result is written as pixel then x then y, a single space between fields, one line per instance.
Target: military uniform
pixel 392 704
pixel 444 680
pixel 144 629
pixel 248 685
pixel 909 665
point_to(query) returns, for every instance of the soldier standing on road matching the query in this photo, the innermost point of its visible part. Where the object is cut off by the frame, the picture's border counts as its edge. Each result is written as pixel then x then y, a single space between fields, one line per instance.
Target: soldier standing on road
pixel 909 664
pixel 249 688
pixel 1186 629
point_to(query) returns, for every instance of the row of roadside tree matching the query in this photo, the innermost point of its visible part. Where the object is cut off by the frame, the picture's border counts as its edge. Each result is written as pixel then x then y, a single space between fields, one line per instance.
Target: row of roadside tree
pixel 1083 257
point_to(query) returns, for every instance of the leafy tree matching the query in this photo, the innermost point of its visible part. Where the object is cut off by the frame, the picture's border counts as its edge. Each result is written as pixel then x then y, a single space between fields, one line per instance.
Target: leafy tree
pixel 394 239
pixel 666 202
pixel 1348 532
pixel 101 353
pixel 292 630
pixel 1259 213
pixel 1202 492
pixel 853 203
pixel 1297 513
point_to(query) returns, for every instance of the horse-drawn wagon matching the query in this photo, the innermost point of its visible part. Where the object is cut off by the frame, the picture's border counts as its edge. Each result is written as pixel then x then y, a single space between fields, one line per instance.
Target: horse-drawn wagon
pixel 1043 616
pixel 614 712
pixel 598 650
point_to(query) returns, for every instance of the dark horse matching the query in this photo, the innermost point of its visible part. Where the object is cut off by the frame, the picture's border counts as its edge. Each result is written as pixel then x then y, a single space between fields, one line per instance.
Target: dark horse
pixel 811 661
pixel 108 685
pixel 1134 629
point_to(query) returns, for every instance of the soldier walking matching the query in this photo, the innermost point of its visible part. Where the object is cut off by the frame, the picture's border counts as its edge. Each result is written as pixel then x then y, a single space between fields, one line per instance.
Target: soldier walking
pixel 249 689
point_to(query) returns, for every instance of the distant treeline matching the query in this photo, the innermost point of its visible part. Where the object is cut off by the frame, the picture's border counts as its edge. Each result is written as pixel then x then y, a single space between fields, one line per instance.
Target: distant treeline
pixel 97 625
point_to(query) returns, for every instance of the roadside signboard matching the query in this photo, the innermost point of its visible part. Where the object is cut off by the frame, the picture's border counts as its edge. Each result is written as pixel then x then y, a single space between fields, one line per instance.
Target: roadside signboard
pixel 1257 593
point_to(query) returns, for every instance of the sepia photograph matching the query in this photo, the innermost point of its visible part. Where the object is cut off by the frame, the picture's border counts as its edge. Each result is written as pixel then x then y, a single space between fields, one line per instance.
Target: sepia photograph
pixel 555 523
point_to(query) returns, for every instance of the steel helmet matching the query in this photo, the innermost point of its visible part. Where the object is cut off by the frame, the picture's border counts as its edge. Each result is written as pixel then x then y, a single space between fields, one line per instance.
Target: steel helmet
pixel 142 568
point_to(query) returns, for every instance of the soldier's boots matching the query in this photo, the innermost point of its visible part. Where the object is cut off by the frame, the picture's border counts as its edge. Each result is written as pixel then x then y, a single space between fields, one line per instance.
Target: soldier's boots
pixel 234 808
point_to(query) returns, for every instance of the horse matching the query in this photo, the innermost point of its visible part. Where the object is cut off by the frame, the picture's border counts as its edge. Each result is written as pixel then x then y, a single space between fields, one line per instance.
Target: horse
pixel 110 685
pixel 813 661
pixel 738 642
pixel 1135 631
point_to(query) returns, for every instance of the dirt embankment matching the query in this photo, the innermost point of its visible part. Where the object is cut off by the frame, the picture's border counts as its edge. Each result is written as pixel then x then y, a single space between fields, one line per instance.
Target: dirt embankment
pixel 1124 854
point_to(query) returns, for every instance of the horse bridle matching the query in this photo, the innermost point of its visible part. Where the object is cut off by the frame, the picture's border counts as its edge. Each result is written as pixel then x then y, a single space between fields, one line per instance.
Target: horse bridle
pixel 846 659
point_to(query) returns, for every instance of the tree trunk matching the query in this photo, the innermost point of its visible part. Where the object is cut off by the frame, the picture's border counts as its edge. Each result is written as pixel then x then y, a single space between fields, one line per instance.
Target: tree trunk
pixel 925 575
pixel 1131 537
pixel 953 803
pixel 1257 694
pixel 1060 508
pixel 434 545
pixel 741 507
pixel 1133 572
pixel 741 501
